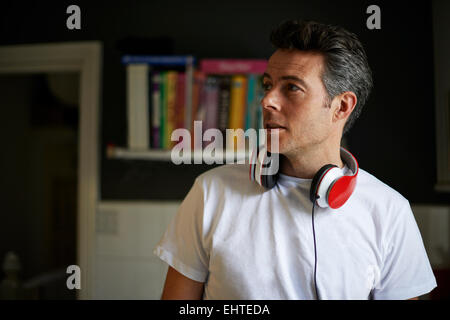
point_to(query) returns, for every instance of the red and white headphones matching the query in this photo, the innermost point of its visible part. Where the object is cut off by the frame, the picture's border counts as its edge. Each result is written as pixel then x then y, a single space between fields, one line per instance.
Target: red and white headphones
pixel 329 187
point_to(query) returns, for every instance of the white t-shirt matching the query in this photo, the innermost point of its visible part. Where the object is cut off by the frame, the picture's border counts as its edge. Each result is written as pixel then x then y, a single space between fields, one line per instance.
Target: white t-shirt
pixel 246 242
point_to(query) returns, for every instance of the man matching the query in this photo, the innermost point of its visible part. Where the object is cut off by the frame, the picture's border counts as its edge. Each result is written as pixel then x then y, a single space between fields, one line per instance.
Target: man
pixel 233 239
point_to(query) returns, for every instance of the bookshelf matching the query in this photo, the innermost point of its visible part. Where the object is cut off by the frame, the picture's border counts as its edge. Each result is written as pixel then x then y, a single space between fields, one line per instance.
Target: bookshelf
pixel 151 119
pixel 165 155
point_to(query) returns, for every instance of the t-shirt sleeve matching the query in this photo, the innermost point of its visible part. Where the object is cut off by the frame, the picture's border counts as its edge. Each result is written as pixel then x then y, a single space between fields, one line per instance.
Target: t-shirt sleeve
pixel 182 244
pixel 406 271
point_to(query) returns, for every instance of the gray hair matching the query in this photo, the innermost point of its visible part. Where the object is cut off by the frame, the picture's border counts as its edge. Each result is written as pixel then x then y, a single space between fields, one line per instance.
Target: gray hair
pixel 346 66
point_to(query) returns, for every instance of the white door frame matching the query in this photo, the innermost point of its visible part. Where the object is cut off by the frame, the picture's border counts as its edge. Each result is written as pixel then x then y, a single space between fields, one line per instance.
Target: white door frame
pixel 84 58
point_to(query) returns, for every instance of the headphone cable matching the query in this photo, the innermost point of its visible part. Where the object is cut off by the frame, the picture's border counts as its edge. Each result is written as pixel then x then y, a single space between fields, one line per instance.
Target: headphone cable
pixel 315 251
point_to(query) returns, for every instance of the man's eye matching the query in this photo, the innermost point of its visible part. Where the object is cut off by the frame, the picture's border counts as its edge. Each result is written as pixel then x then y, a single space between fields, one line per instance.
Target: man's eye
pixel 266 86
pixel 293 87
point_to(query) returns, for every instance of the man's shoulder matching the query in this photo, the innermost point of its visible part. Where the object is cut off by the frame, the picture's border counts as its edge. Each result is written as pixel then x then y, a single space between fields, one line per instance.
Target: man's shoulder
pixel 373 189
pixel 227 175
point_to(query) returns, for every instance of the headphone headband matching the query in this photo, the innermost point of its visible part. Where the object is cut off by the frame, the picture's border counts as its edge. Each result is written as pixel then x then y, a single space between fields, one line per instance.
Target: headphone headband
pixel 350 160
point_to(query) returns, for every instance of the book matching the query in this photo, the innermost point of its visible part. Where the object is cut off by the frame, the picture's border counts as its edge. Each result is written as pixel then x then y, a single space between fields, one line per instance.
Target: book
pixel 233 66
pixel 188 84
pixel 159 131
pixel 197 90
pixel 224 102
pixel 211 104
pixel 170 107
pixel 158 60
pixel 138 106
pixel 156 109
pixel 163 111
pixel 259 123
pixel 199 81
pixel 238 100
pixel 180 101
pixel 250 106
pixel 259 119
pixel 202 107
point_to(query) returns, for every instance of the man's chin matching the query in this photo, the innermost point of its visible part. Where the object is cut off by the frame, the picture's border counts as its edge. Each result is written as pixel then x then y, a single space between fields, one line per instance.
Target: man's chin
pixel 277 149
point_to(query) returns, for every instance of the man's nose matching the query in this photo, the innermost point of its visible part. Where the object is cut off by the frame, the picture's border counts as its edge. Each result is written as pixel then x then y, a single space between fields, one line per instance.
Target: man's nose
pixel 271 101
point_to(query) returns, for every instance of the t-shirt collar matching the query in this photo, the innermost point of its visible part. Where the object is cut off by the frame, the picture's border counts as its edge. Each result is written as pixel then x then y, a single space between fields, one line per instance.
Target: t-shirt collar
pixel 286 180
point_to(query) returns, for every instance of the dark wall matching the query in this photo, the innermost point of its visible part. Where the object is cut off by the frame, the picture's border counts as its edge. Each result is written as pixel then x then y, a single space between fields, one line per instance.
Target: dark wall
pixel 394 139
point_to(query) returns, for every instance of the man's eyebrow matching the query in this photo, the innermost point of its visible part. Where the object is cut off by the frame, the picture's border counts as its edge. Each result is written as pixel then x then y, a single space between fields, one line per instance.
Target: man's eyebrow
pixel 289 77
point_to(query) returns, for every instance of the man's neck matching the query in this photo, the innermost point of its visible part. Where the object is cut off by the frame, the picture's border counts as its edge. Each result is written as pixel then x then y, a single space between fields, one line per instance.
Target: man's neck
pixel 306 162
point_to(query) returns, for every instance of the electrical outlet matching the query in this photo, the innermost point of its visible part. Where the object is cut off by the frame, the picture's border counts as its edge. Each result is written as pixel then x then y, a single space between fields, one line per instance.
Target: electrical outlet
pixel 107 222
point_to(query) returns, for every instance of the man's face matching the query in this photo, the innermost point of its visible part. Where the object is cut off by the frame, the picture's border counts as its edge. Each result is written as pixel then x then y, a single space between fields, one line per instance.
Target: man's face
pixel 295 100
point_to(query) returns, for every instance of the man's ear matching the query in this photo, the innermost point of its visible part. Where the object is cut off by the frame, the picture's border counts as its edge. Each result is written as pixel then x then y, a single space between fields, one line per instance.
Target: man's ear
pixel 344 105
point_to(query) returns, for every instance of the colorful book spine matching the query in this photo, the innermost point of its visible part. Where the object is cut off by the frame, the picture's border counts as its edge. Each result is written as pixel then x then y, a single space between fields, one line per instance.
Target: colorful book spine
pixel 180 101
pixel 259 124
pixel 224 102
pixel 197 90
pixel 211 104
pixel 163 112
pixel 250 107
pixel 137 106
pixel 202 106
pixel 199 81
pixel 156 60
pixel 171 115
pixel 188 84
pixel 233 66
pixel 237 102
pixel 259 120
pixel 156 109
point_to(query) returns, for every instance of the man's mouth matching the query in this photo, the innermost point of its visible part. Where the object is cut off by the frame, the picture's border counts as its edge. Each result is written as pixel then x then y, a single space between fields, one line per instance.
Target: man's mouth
pixel 273 126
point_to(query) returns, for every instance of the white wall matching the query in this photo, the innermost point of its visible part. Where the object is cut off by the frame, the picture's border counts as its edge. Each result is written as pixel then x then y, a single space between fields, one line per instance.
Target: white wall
pixel 128 231
pixel 434 225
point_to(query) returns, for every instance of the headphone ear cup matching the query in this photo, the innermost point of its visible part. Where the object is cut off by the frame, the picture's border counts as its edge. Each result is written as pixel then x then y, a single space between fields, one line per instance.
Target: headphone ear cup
pixel 252 165
pixel 340 191
pixel 317 179
pixel 270 180
pixel 256 170
pixel 256 160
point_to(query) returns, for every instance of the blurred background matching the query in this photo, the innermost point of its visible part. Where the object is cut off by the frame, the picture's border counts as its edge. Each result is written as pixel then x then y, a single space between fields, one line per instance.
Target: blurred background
pixel 63 96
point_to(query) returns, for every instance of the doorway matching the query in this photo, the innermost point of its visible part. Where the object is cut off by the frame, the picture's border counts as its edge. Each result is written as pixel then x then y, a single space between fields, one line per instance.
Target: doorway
pixel 50 98
pixel 39 183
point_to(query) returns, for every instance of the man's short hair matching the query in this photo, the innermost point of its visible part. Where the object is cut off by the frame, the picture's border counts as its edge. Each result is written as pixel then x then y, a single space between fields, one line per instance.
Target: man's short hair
pixel 346 67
